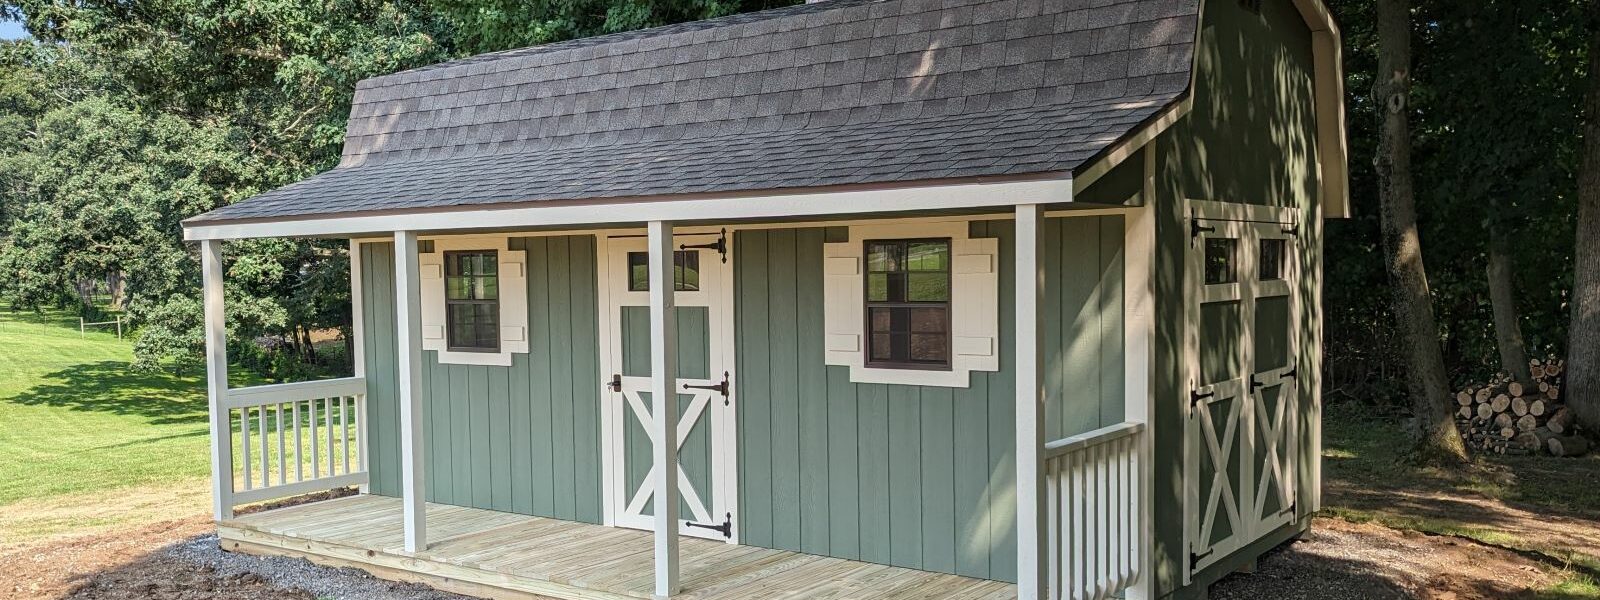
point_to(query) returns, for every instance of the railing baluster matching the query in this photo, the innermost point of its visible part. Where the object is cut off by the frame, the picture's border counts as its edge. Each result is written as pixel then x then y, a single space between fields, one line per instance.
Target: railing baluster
pixel 299 463
pixel 244 445
pixel 266 452
pixel 344 432
pixel 361 431
pixel 316 454
pixel 327 421
pixel 283 459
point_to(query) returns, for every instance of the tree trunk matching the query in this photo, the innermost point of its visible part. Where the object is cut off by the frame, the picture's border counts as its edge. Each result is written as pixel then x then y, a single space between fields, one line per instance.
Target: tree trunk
pixel 1434 428
pixel 1583 335
pixel 1507 319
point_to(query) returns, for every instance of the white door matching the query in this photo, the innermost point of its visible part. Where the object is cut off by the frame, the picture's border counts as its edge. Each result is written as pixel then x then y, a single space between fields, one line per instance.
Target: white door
pixel 1239 438
pixel 706 454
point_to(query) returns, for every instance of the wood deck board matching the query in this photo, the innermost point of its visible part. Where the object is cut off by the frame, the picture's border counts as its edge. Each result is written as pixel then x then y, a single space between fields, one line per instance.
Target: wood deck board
pixel 479 551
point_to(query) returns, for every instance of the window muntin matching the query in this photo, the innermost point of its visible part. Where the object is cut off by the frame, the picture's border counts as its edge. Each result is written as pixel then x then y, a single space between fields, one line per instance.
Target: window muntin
pixel 908 303
pixel 472 300
pixel 1221 260
pixel 685 271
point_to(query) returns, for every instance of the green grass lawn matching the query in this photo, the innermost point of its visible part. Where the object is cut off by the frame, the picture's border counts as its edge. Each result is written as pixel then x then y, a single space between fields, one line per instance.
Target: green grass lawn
pixel 75 422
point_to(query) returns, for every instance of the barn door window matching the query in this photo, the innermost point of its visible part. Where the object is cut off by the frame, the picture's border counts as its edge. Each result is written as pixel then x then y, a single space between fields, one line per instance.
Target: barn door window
pixel 908 304
pixel 472 300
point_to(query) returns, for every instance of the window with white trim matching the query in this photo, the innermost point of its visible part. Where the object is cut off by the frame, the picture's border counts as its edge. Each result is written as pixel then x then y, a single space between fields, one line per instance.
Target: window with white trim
pixel 912 303
pixel 474 300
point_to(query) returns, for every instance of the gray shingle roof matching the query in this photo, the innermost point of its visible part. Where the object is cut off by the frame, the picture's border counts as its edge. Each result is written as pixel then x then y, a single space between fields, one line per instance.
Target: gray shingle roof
pixel 837 92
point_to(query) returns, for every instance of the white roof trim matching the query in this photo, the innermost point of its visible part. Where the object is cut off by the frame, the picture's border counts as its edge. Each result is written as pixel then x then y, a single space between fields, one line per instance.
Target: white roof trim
pixel 815 204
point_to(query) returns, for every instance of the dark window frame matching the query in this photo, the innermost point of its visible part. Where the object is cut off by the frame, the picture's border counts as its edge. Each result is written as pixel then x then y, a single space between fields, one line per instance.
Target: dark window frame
pixel 449 323
pixel 868 304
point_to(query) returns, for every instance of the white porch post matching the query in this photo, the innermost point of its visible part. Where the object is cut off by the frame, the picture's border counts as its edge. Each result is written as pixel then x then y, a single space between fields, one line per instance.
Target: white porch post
pixel 1139 331
pixel 408 300
pixel 358 362
pixel 664 405
pixel 217 380
pixel 1032 572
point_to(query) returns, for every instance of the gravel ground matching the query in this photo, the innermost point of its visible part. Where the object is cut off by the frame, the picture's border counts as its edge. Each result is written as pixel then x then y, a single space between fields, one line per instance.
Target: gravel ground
pixel 1339 560
pixel 296 574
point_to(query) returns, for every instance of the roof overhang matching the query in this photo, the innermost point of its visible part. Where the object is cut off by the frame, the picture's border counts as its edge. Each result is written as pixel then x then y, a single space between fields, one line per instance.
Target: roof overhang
pixel 978 194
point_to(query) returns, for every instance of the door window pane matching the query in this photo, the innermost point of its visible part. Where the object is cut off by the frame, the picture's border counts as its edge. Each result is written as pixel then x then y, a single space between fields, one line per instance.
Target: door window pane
pixel 685 271
pixel 1221 260
pixel 1273 253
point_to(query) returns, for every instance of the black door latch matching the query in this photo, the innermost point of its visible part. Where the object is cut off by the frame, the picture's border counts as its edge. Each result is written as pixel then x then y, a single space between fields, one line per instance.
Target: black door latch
pixel 616 383
pixel 726 528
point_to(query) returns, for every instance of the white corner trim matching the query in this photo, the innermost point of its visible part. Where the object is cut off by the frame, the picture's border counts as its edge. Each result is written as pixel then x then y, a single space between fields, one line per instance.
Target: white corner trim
pixel 513 300
pixel 974 303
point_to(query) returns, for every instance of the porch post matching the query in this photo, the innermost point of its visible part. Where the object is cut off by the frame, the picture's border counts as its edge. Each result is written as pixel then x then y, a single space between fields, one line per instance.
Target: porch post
pixel 1032 572
pixel 1139 331
pixel 664 405
pixel 217 381
pixel 408 337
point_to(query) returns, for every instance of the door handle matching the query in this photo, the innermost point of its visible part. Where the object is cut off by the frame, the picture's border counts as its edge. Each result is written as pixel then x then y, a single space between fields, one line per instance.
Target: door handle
pixel 615 384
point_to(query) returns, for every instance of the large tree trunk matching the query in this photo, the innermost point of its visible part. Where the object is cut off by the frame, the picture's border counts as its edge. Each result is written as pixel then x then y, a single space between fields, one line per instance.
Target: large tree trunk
pixel 1434 428
pixel 1583 335
pixel 1507 319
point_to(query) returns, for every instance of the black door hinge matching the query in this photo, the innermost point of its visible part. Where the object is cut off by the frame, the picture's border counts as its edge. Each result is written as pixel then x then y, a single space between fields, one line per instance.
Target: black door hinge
pixel 1195 228
pixel 725 528
pixel 1291 373
pixel 1195 397
pixel 720 388
pixel 721 245
pixel 1194 559
pixel 1292 229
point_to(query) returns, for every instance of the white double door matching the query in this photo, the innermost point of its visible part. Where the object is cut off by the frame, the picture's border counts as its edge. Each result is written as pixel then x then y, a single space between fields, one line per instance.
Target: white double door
pixel 707 457
pixel 1241 435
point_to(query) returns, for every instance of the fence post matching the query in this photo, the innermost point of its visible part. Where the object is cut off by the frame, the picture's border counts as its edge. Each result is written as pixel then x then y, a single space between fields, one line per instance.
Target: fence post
pixel 81 334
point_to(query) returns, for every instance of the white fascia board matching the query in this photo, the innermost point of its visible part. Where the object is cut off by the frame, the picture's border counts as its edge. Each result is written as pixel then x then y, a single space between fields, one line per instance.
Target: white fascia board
pixel 940 197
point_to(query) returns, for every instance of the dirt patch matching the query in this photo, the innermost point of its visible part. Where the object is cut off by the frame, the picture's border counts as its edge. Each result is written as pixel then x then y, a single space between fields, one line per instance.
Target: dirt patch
pixel 1339 560
pixel 52 569
pixel 1488 519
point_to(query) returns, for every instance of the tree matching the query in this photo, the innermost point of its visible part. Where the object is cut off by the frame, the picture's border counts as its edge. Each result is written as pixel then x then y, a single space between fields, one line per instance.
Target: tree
pixel 1434 429
pixel 1583 341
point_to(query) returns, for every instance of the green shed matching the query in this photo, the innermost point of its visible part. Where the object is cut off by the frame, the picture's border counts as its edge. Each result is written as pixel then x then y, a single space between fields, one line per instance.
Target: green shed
pixel 848 299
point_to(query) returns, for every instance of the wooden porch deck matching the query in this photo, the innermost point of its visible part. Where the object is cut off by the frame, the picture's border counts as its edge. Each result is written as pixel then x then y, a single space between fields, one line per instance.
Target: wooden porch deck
pixel 503 555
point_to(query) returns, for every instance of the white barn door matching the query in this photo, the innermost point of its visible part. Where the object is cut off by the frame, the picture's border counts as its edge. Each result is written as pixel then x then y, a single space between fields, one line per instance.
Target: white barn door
pixel 1240 435
pixel 706 427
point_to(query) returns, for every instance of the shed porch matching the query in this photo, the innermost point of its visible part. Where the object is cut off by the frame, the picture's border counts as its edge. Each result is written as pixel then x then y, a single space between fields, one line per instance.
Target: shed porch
pixel 506 555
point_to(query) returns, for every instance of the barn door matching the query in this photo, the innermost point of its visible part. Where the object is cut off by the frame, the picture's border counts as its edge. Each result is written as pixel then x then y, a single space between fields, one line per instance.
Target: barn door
pixel 1239 437
pixel 705 370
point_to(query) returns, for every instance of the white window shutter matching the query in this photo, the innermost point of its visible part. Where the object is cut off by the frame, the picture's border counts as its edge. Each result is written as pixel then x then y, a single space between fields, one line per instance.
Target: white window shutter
pixel 975 304
pixel 842 293
pixel 431 268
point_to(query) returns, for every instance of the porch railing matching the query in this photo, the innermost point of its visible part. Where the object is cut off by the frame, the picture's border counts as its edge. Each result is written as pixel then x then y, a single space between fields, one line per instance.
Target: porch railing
pixel 297 438
pixel 1093 506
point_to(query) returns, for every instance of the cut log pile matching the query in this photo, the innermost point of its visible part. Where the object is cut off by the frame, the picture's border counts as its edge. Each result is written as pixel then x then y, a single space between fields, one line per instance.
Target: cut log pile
pixel 1506 416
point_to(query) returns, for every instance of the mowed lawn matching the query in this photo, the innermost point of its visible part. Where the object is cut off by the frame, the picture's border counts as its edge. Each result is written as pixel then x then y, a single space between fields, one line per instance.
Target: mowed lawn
pixel 87 443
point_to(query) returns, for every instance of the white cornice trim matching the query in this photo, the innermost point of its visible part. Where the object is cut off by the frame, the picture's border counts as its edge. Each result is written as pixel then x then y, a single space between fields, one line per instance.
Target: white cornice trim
pixel 816 204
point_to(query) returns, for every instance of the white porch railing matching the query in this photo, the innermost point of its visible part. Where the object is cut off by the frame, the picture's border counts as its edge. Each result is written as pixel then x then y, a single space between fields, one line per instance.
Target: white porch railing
pixel 1093 512
pixel 297 438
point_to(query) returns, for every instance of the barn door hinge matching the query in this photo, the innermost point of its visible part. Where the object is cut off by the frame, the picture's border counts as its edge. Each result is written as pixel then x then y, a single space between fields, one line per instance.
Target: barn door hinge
pixel 725 528
pixel 1195 228
pixel 1292 229
pixel 1194 559
pixel 721 245
pixel 720 388
pixel 1195 397
pixel 1291 373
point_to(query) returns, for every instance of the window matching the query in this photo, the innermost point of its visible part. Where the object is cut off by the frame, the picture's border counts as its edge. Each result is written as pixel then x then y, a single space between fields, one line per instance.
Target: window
pixel 685 272
pixel 472 300
pixel 1273 251
pixel 1221 260
pixel 908 304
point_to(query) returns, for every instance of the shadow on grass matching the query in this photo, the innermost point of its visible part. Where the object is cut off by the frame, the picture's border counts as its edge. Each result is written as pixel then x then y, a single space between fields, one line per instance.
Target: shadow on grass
pixel 111 387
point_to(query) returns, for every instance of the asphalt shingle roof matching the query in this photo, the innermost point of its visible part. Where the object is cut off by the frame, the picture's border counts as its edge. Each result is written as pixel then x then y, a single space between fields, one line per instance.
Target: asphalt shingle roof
pixel 837 92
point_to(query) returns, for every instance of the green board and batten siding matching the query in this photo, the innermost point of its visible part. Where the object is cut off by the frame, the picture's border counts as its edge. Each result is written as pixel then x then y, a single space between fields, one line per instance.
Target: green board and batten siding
pixel 919 477
pixel 524 438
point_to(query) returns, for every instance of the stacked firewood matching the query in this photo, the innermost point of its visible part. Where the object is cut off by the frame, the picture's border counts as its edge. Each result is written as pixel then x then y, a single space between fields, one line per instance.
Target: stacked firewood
pixel 1506 416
